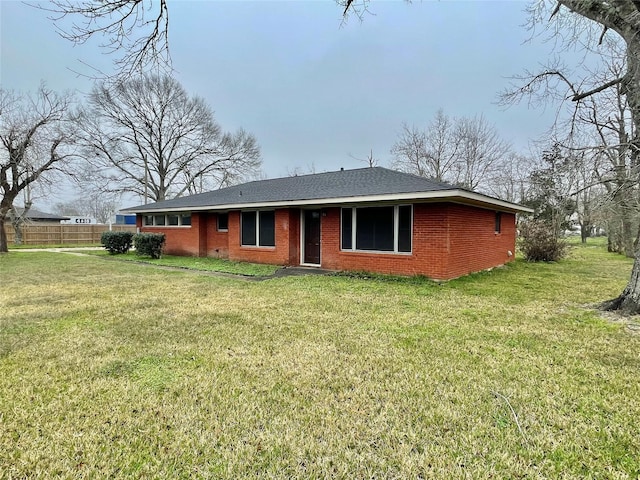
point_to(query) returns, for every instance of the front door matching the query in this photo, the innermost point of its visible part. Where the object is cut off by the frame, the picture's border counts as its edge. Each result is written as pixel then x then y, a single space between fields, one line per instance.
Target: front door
pixel 312 237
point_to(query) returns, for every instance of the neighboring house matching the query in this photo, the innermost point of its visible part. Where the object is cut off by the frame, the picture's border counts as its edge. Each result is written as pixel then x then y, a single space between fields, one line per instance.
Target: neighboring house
pixel 40 218
pixel 370 219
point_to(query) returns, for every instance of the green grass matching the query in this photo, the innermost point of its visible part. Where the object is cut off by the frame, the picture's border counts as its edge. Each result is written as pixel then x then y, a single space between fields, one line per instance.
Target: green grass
pixel 196 263
pixel 116 370
pixel 65 245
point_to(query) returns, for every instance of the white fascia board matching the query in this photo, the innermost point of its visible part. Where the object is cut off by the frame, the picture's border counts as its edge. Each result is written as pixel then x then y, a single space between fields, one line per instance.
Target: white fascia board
pixel 459 196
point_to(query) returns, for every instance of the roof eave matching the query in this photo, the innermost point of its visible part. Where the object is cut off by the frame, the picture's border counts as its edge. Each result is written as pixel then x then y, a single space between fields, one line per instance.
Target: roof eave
pixel 454 195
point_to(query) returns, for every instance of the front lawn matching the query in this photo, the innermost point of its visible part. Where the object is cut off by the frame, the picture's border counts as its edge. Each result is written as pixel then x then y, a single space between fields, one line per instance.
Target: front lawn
pixel 118 370
pixel 196 263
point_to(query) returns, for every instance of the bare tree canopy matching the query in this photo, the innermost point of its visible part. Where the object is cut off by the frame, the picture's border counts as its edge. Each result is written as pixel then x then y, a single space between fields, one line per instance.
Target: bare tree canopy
pixel 35 137
pixel 465 151
pixel 96 205
pixel 136 32
pixel 605 117
pixel 147 136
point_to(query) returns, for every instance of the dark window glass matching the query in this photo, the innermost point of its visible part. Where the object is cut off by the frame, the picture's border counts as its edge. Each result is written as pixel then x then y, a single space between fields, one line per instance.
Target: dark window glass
pixel 347 231
pixel 185 219
pixel 404 228
pixel 248 234
pixel 172 220
pixel 374 228
pixel 223 221
pixel 498 222
pixel 268 229
pixel 159 219
pixel 148 219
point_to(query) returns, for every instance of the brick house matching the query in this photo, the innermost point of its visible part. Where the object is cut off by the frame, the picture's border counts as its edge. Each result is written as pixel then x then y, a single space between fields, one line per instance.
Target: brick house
pixel 369 219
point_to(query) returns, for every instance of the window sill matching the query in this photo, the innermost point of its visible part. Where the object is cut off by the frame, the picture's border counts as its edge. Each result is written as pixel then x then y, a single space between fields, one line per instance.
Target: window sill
pixel 377 252
pixel 166 226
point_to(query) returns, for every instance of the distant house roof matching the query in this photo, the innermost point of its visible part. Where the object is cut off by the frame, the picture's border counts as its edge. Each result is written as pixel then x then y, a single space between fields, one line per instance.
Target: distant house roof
pixel 38 216
pixel 345 186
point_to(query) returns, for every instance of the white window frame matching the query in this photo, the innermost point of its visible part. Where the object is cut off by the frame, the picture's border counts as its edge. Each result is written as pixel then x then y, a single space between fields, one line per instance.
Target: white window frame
pixel 258 245
pixel 396 230
pixel 166 220
pixel 218 229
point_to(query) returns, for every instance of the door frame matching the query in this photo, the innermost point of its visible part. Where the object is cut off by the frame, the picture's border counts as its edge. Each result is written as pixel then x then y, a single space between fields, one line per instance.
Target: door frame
pixel 303 234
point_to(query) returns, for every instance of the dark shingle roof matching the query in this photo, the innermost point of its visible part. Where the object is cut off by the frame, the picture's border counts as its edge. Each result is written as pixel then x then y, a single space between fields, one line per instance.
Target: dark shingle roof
pixel 345 187
pixel 340 184
pixel 36 215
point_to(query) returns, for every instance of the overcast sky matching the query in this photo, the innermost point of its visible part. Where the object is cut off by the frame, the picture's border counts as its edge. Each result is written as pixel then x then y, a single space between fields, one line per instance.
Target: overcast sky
pixel 315 92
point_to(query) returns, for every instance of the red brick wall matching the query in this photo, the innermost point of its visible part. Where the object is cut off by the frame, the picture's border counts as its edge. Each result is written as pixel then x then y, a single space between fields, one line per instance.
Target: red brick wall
pixel 474 243
pixel 448 241
pixel 286 251
pixel 181 240
pixel 217 241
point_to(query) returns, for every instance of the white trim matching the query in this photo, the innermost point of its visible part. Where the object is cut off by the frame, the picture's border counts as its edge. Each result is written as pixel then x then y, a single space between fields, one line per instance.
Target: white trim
pixel 166 223
pixel 303 238
pixel 456 195
pixel 396 231
pixel 258 245
pixel 218 229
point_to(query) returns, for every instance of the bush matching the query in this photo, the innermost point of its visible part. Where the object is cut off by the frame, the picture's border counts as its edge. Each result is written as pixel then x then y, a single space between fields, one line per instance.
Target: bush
pixel 540 243
pixel 150 244
pixel 117 242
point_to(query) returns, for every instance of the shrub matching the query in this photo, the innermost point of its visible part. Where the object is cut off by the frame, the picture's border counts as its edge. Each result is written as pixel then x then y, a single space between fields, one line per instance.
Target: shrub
pixel 150 244
pixel 540 243
pixel 117 242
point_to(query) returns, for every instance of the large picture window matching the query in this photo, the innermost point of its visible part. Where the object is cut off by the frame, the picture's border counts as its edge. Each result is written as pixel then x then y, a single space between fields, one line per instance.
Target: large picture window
pixel 258 229
pixel 381 229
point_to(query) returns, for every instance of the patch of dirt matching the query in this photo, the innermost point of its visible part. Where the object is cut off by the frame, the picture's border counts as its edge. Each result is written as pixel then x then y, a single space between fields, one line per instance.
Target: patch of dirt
pixel 630 322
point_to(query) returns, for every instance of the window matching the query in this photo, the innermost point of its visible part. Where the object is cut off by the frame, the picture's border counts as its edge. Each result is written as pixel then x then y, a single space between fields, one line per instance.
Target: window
pixel 374 228
pixel 168 219
pixel 381 229
pixel 347 228
pixel 223 222
pixel 267 228
pixel 258 228
pixel 498 222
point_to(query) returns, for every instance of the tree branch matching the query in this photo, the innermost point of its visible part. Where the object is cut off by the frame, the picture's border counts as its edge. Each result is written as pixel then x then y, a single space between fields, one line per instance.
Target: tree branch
pixel 579 96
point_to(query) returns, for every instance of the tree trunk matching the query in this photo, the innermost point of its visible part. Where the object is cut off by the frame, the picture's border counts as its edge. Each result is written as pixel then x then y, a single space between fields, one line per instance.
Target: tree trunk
pixel 4 248
pixel 628 302
pixel 5 207
pixel 17 228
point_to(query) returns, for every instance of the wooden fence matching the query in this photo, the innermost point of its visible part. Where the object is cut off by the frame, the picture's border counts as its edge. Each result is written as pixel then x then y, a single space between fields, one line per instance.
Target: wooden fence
pixel 63 234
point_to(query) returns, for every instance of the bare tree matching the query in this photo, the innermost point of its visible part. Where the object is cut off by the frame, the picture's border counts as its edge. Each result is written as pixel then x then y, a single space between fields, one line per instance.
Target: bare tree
pixel 370 160
pixel 596 126
pixel 35 137
pixel 481 152
pixel 512 181
pixel 136 32
pixel 147 136
pixel 428 153
pixel 596 25
pixel 464 151
pixel 99 205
